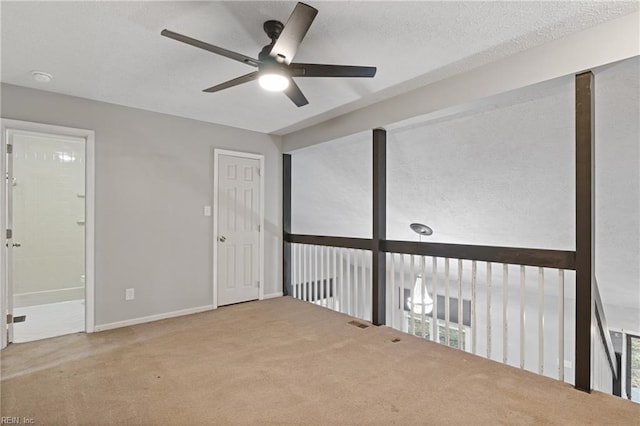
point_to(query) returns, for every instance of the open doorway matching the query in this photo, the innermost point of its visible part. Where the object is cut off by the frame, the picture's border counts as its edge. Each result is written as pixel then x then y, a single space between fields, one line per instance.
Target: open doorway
pixel 48 254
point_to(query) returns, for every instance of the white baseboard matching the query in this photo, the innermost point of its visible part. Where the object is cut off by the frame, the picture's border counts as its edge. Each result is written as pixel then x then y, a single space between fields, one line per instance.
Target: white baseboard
pixel 150 318
pixel 271 295
pixel 21 300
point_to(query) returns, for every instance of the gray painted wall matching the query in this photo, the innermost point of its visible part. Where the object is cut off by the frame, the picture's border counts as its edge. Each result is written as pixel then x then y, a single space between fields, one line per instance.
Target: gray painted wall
pixel 154 174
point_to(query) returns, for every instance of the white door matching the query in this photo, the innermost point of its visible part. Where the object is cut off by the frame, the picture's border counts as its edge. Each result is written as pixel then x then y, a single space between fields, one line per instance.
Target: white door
pixel 238 230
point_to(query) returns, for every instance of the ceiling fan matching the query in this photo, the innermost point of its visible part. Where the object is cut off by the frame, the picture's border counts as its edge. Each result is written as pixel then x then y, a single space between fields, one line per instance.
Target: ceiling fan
pixel 275 69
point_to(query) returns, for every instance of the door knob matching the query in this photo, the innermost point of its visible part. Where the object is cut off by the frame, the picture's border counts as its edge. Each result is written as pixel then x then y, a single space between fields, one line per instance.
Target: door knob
pixel 222 239
pixel 17 245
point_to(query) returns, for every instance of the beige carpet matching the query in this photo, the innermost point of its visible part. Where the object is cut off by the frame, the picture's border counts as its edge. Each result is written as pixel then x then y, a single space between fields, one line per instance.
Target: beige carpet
pixel 279 361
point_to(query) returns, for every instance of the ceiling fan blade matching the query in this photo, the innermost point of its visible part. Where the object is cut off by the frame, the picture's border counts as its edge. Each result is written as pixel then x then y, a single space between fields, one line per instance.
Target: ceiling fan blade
pixel 236 81
pixel 295 94
pixel 294 31
pixel 211 48
pixel 321 70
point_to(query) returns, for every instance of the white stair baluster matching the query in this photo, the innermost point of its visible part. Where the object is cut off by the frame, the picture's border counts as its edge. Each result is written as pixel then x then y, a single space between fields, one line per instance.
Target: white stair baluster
pixel 314 297
pixel 434 297
pixel 294 265
pixel 460 308
pixel 540 320
pixel 423 297
pixel 488 310
pixel 349 284
pixel 341 282
pixel 474 316
pixel 412 281
pixel 523 317
pixel 305 269
pixel 561 325
pixel 447 303
pixel 404 324
pixel 392 283
pixel 505 312
pixel 356 284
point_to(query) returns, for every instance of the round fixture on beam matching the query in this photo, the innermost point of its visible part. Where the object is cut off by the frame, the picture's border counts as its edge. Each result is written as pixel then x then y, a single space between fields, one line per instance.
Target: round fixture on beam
pixel 421 229
pixel 41 76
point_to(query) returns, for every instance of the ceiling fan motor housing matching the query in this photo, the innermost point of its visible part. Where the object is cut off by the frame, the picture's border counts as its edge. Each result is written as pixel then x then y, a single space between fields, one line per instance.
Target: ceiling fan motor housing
pixel 273 29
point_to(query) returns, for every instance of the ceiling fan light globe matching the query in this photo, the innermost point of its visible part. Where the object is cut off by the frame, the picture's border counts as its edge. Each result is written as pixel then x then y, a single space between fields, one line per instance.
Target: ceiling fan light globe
pixel 273 82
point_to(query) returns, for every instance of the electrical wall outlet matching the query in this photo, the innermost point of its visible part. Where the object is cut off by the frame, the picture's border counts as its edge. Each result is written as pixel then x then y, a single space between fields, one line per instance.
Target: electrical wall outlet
pixel 129 294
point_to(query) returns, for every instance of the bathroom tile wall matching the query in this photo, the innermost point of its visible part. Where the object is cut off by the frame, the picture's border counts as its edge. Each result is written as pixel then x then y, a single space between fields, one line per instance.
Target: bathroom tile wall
pixel 48 189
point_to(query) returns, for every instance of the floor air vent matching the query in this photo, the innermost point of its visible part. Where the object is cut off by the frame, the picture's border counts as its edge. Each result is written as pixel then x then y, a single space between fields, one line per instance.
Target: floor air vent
pixel 358 324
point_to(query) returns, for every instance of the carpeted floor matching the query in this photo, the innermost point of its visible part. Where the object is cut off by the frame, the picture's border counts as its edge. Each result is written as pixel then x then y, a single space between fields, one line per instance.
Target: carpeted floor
pixel 279 361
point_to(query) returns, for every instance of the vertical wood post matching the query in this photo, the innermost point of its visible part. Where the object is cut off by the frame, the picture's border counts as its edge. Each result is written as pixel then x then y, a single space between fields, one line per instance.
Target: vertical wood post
pixel 585 220
pixel 379 264
pixel 286 224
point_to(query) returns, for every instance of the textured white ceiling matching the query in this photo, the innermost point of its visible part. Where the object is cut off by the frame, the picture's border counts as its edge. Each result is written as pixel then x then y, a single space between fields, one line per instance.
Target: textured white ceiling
pixel 113 51
pixel 500 173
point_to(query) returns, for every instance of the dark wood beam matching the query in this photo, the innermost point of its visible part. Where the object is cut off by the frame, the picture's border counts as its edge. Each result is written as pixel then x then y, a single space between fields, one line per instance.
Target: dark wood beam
pixel 286 224
pixel 559 259
pixel 379 264
pixel 585 219
pixel 322 240
pixel 510 255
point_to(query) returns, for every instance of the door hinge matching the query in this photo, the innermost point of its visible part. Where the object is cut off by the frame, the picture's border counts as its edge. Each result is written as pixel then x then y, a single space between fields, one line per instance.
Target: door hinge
pixel 9 319
pixel 258 284
pixel 9 148
pixel 258 228
pixel 9 234
pixel 258 171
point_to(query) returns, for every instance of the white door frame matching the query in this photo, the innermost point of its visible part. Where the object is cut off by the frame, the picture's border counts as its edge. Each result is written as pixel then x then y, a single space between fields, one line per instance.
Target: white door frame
pixel 7 125
pixel 216 156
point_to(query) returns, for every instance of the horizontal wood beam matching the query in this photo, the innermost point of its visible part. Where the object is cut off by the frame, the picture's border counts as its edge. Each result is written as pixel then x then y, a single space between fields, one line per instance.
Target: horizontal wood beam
pixel 511 255
pixel 559 259
pixel 323 240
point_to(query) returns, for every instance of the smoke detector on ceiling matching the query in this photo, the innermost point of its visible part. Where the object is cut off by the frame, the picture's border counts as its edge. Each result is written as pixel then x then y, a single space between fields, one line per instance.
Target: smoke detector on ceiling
pixel 41 76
